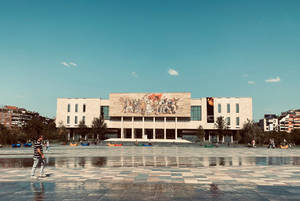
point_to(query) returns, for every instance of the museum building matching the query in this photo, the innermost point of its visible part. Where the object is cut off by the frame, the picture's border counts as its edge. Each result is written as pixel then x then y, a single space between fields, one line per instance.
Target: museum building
pixel 156 115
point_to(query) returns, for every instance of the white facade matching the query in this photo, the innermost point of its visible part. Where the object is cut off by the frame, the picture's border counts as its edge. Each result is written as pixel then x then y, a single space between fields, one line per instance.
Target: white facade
pixel 236 111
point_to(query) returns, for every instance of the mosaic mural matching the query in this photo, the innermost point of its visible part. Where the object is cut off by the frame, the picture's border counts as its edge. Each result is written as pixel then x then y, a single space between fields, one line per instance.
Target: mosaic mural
pixel 149 104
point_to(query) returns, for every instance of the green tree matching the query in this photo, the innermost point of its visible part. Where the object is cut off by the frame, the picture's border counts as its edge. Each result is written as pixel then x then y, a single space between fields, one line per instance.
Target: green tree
pixel 295 136
pixel 34 127
pixel 49 130
pixel 221 126
pixel 99 127
pixel 62 132
pixel 238 136
pixel 252 131
pixel 200 133
pixel 83 130
pixel 6 136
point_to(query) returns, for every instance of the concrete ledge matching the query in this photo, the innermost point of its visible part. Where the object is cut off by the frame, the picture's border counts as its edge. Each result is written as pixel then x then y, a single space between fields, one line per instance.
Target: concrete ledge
pixel 147 140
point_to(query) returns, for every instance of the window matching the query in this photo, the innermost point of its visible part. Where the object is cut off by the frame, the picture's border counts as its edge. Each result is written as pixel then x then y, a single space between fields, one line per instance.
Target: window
pixel 149 119
pixel 219 108
pixel 83 119
pixel 127 118
pixel 76 120
pixel 105 112
pixel 68 119
pixel 228 108
pixel 170 119
pixel 83 108
pixel 196 114
pixel 228 121
pixel 237 121
pixel 237 107
pixel 76 107
pixel 69 107
pixel 159 119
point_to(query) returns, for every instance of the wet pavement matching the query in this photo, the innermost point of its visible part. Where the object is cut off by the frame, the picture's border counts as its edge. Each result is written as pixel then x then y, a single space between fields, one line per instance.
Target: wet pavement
pixel 152 173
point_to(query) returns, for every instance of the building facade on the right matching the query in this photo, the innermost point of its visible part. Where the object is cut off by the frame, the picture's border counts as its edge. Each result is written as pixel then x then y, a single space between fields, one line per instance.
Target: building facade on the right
pixel 269 123
pixel 289 120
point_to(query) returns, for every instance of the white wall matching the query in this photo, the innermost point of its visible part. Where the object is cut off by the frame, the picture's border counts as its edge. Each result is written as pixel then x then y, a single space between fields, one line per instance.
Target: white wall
pixel 93 110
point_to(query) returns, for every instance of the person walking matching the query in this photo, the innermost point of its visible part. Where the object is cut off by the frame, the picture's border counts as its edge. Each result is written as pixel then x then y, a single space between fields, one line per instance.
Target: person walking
pixel 38 157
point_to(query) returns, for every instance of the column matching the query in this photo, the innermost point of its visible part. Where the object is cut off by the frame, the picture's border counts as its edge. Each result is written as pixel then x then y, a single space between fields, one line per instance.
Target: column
pixel 132 128
pixel 143 129
pixel 165 128
pixel 175 128
pixel 208 136
pixel 231 140
pixel 154 128
pixel 122 128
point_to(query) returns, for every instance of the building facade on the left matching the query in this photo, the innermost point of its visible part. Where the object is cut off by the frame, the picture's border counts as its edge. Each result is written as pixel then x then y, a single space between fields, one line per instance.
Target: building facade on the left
pixel 11 116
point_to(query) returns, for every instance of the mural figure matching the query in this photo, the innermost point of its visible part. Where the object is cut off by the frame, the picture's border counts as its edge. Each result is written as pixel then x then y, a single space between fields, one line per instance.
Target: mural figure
pixel 150 104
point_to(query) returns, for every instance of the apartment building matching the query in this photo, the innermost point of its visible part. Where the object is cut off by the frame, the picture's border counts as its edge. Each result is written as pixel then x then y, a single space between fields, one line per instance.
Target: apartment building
pixel 11 116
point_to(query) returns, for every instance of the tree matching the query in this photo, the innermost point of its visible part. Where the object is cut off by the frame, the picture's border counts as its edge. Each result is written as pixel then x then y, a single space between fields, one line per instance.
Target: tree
pixel 238 136
pixel 295 136
pixel 221 126
pixel 34 127
pixel 49 130
pixel 252 131
pixel 200 133
pixel 62 132
pixel 83 129
pixel 99 127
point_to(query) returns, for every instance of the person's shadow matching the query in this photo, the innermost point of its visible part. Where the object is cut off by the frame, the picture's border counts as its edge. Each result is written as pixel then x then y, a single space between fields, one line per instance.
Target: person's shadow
pixel 38 189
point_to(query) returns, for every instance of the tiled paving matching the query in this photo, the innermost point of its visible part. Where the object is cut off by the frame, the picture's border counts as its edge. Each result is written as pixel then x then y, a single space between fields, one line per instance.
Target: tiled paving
pixel 153 175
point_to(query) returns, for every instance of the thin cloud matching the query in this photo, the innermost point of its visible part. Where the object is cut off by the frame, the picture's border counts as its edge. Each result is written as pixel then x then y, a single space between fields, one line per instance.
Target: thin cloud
pixel 134 74
pixel 245 75
pixel 65 64
pixel 251 82
pixel 73 64
pixel 173 72
pixel 277 79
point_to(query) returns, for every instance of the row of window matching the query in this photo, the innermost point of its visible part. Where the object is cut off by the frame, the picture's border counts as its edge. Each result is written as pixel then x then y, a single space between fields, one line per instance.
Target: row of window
pixel 237 121
pixel 196 111
pixel 76 108
pixel 75 119
pixel 237 108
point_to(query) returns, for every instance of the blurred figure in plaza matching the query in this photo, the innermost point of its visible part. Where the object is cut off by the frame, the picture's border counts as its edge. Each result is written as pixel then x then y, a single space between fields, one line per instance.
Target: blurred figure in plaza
pixel 38 157
pixel 284 142
pixel 252 145
pixel 271 143
pixel 47 144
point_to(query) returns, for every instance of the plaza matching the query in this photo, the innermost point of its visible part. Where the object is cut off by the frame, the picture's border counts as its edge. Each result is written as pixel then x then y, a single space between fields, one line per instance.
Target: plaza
pixel 152 173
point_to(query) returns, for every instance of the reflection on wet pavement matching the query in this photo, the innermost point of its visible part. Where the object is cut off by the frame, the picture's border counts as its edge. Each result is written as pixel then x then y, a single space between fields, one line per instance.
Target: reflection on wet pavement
pixel 142 191
pixel 151 161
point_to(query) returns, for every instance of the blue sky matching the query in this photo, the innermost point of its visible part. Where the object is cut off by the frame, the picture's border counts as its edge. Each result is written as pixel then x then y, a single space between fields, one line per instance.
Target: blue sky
pixel 222 48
